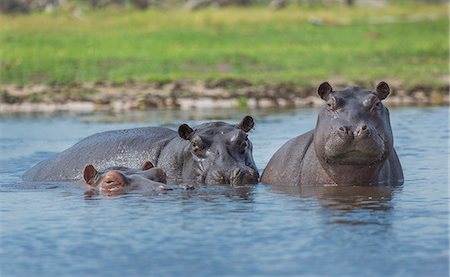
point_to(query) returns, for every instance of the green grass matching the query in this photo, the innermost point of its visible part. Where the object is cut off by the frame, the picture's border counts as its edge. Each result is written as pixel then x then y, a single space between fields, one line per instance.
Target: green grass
pixel 252 43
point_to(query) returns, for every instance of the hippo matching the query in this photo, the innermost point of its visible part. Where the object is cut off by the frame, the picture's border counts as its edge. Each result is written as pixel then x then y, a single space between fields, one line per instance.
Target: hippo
pixel 210 153
pixel 352 144
pixel 119 180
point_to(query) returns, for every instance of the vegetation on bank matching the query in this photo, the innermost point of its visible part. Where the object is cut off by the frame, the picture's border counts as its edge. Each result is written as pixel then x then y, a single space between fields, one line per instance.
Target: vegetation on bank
pixel 300 44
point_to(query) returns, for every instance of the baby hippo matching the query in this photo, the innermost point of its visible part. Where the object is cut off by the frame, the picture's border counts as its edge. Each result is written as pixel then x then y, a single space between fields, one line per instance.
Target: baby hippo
pixel 120 180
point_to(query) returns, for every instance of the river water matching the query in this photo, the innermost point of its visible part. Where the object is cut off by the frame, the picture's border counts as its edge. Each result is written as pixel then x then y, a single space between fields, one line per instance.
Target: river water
pixel 222 230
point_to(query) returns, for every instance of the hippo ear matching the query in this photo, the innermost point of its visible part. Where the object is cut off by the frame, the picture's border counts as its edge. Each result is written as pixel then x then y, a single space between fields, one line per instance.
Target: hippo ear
pixel 185 132
pixel 246 124
pixel 89 173
pixel 382 90
pixel 324 90
pixel 147 165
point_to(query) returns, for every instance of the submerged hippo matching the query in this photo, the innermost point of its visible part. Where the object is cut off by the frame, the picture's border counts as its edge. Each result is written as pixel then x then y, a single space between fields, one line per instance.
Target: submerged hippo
pixel 212 153
pixel 118 180
pixel 352 144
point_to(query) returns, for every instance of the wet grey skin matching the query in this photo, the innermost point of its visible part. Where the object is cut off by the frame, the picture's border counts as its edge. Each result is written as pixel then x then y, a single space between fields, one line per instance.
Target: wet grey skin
pixel 211 153
pixel 120 180
pixel 352 144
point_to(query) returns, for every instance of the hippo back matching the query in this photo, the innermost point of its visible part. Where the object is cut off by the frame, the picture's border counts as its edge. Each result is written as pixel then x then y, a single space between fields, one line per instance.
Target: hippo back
pixel 285 166
pixel 129 147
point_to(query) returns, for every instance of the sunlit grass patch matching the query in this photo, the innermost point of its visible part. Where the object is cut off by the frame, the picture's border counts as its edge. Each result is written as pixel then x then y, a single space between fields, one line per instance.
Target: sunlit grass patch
pixel 300 44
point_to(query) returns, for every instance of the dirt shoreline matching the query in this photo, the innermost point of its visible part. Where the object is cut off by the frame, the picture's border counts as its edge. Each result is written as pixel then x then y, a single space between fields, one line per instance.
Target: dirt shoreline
pixel 218 94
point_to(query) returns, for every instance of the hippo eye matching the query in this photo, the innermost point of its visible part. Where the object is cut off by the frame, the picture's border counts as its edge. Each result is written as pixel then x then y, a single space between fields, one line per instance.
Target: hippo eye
pixel 198 148
pixel 195 146
pixel 377 106
pixel 243 146
pixel 331 104
pixel 109 181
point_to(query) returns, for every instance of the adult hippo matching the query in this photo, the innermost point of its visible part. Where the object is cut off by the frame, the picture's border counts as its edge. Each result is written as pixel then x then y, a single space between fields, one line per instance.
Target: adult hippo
pixel 352 144
pixel 212 153
pixel 119 180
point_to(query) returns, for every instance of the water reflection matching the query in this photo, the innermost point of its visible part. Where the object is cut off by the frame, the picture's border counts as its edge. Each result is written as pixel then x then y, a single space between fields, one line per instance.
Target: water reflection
pixel 231 192
pixel 347 205
pixel 205 193
pixel 183 191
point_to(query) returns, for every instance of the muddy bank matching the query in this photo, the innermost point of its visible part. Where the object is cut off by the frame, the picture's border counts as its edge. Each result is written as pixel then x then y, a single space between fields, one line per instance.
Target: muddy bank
pixel 226 93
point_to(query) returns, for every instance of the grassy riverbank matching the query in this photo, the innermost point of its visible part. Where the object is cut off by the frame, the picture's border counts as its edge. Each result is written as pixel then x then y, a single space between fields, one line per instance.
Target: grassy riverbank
pixel 301 44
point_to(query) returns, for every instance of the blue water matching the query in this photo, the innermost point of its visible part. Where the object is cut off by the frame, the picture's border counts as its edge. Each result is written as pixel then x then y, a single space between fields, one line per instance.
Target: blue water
pixel 222 230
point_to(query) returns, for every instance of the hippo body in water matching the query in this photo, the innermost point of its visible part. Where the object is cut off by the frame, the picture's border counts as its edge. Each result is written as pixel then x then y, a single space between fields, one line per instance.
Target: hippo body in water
pixel 212 153
pixel 119 180
pixel 352 144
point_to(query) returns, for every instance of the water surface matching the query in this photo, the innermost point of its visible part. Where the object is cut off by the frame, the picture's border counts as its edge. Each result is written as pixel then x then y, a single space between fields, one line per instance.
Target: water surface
pixel 222 230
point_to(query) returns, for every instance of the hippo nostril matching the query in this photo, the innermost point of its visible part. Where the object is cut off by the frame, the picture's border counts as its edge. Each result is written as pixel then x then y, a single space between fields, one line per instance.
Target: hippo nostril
pixel 217 177
pixel 236 176
pixel 363 130
pixel 344 132
pixel 236 172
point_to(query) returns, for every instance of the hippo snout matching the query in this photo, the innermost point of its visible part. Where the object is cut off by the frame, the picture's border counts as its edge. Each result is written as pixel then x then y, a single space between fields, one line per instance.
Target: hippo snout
pixel 235 176
pixel 243 176
pixel 354 145
pixel 346 133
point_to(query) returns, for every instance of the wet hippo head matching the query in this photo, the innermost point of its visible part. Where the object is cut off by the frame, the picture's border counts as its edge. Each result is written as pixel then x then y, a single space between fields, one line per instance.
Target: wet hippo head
pixel 219 153
pixel 353 128
pixel 118 180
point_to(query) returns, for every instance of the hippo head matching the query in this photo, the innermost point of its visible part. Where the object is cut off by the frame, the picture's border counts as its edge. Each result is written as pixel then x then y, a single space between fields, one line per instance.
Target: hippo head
pixel 117 180
pixel 353 128
pixel 219 153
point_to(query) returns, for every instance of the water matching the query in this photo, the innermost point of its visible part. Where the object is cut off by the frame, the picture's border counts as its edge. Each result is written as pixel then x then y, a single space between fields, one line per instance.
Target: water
pixel 225 231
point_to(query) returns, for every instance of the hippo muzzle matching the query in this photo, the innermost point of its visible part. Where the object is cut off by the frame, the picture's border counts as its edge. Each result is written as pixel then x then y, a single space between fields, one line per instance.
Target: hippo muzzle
pixel 234 176
pixel 362 145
